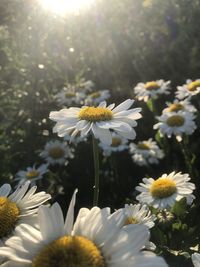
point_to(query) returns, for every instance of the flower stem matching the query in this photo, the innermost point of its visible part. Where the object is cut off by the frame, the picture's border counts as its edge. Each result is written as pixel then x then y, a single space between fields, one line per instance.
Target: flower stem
pixel 96 169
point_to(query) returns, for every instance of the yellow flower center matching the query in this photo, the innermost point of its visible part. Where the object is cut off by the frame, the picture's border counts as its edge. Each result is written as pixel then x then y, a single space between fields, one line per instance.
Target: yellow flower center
pixel 151 86
pixel 69 251
pixel 116 142
pixel 193 86
pixel 162 188
pixel 143 146
pixel 9 214
pixel 131 220
pixel 56 152
pixel 32 174
pixel 175 121
pixel 70 94
pixel 95 94
pixel 175 107
pixel 95 114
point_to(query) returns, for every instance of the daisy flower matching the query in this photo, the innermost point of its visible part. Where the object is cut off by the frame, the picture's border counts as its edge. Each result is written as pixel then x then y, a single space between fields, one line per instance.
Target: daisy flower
pixel 97 97
pixel 18 207
pixel 118 144
pixel 98 120
pixel 166 190
pixel 148 90
pixel 146 152
pixel 177 123
pixel 96 240
pixel 137 214
pixel 56 152
pixel 177 105
pixel 32 174
pixel 189 89
pixel 196 259
pixel 69 96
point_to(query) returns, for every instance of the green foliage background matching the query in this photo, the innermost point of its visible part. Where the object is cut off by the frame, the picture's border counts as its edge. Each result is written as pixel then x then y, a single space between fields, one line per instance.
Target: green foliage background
pixel 116 44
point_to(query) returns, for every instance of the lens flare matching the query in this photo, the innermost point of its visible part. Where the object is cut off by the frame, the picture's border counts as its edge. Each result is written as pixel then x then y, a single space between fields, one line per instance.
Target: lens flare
pixel 61 7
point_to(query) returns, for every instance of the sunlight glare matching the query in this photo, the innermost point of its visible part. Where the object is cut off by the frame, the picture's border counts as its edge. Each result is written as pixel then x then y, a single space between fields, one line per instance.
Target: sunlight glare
pixel 61 7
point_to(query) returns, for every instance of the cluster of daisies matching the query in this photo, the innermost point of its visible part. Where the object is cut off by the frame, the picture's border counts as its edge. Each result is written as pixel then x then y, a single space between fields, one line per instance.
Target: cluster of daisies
pixel 33 234
pixel 81 93
pixel 178 118
pixel 55 152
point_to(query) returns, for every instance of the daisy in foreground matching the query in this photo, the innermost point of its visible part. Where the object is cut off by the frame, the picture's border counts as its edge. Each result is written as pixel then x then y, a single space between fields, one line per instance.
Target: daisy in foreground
pixel 196 259
pixel 166 190
pixel 177 123
pixel 95 240
pixel 148 90
pixel 118 144
pixel 98 120
pixel 189 89
pixel 18 207
pixel 56 152
pixel 146 152
pixel 32 174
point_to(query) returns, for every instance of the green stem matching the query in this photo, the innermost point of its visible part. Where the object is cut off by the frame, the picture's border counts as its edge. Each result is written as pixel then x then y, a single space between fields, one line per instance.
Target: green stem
pixel 96 169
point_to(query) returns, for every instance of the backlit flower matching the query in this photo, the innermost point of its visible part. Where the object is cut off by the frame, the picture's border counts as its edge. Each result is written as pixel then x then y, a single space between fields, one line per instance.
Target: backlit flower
pixel 176 123
pixel 56 152
pixel 118 144
pixel 98 120
pixel 177 105
pixel 146 152
pixel 69 96
pixel 166 190
pixel 189 89
pixel 32 174
pixel 149 90
pixel 96 97
pixel 96 240
pixel 18 207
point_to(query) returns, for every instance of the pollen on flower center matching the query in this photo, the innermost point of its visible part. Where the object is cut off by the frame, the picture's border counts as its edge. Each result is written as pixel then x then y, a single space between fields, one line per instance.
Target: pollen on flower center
pixel 151 86
pixel 175 121
pixel 116 142
pixel 95 114
pixel 32 174
pixel 130 220
pixel 9 214
pixel 175 107
pixel 143 146
pixel 69 251
pixel 162 188
pixel 193 86
pixel 95 94
pixel 56 152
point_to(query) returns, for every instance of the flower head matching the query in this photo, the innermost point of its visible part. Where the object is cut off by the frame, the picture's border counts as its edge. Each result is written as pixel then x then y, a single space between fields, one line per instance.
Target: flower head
pixel 177 105
pixel 137 214
pixel 177 123
pixel 148 90
pixel 189 89
pixel 98 120
pixel 56 152
pixel 95 240
pixel 70 95
pixel 18 207
pixel 32 174
pixel 146 152
pixel 119 144
pixel 166 190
